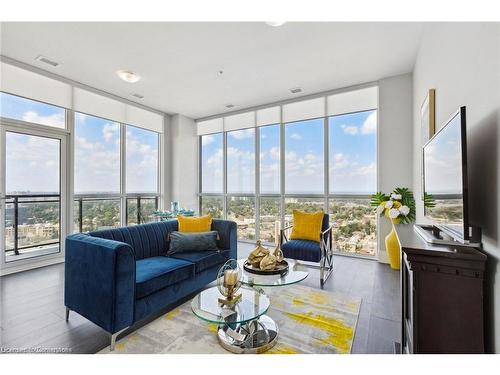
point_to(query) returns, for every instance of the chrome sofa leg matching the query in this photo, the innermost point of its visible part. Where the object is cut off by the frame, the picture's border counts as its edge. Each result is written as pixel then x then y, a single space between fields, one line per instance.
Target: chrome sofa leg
pixel 67 313
pixel 113 337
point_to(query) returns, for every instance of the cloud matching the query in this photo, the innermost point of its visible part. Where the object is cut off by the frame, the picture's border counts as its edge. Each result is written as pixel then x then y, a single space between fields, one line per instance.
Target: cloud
pixel 350 129
pixel 56 119
pixel 340 161
pixel 370 124
pixel 296 136
pixel 242 134
pixel 36 170
pixel 207 139
pixel 110 130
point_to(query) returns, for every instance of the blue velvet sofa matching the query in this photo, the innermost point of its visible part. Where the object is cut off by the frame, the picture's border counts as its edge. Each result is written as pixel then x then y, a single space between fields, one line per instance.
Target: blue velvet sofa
pixel 120 276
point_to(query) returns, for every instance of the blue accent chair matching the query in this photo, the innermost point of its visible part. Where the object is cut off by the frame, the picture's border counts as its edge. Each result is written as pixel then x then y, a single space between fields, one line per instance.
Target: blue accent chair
pixel 310 251
pixel 117 277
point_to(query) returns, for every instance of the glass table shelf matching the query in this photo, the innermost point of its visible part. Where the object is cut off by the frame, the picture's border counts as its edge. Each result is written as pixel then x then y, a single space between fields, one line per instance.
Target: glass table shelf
pixel 294 275
pixel 252 305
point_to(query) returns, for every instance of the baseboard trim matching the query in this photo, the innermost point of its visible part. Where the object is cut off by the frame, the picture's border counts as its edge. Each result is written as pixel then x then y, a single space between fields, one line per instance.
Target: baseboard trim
pixel 31 266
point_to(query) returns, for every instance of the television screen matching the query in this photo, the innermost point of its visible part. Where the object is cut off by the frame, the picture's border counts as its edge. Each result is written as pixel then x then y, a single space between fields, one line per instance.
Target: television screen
pixel 445 177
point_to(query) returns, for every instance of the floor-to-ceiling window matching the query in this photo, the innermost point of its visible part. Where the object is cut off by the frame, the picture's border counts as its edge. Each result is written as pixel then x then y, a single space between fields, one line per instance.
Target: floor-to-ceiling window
pixel 316 154
pixel 30 203
pixel 353 178
pixel 269 214
pixel 97 173
pixel 104 187
pixel 70 153
pixel 142 184
pixel 212 167
pixel 240 171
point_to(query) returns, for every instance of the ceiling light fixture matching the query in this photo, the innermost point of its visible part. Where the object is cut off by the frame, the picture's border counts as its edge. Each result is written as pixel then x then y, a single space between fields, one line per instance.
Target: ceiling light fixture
pixel 295 90
pixel 128 76
pixel 275 23
pixel 229 105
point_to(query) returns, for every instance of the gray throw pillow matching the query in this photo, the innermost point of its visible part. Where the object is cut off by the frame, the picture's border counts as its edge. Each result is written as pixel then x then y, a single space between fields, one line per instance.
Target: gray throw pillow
pixel 195 241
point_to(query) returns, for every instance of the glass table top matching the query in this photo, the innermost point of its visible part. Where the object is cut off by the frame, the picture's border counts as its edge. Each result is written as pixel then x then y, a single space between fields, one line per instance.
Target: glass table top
pixel 252 305
pixel 293 276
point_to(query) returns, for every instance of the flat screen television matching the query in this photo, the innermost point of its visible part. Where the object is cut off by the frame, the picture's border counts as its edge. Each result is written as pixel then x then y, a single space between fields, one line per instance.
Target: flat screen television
pixel 445 178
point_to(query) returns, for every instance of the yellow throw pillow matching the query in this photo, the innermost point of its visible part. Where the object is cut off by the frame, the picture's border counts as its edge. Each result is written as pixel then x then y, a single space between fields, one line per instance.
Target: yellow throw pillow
pixel 194 224
pixel 307 226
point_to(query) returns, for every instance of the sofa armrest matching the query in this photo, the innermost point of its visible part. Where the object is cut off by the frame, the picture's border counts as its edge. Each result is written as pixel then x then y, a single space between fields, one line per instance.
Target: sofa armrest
pixel 100 281
pixel 227 236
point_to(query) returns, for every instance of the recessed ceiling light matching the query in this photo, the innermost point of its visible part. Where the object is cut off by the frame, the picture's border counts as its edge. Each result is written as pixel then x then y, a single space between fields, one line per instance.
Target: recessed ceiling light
pixel 45 60
pixel 229 105
pixel 139 96
pixel 295 90
pixel 128 76
pixel 275 23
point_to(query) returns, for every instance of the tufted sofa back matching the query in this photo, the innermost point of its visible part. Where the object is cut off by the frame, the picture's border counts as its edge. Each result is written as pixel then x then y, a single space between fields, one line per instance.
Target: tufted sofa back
pixel 147 240
pixel 152 239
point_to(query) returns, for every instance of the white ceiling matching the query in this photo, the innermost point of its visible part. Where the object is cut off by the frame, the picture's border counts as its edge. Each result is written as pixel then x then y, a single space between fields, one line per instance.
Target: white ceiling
pixel 179 62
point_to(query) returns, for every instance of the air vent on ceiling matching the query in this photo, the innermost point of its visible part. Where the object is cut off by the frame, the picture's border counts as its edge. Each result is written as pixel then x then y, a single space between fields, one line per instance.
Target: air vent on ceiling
pixel 50 62
pixel 295 90
pixel 229 105
pixel 139 96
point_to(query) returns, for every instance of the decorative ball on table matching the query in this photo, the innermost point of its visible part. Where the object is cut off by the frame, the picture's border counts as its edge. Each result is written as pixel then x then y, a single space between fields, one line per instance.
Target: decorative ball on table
pixel 228 282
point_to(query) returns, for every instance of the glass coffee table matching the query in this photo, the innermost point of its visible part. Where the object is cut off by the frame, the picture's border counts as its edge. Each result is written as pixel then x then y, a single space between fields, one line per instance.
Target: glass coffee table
pixel 245 328
pixel 295 274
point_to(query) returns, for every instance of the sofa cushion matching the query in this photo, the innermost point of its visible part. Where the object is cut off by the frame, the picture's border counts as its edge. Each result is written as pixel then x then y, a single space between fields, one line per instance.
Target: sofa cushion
pixel 204 259
pixel 195 241
pixel 155 273
pixel 305 250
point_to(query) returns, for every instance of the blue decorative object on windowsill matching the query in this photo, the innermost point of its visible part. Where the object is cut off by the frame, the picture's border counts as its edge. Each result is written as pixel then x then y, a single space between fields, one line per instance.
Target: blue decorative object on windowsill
pixel 165 215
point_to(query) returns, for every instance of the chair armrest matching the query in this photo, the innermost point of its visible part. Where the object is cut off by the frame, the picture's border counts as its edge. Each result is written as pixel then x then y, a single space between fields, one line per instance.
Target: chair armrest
pixel 100 281
pixel 329 229
pixel 326 242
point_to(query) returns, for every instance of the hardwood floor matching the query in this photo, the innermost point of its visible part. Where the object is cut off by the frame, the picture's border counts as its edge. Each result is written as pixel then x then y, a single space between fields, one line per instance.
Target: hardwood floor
pixel 32 308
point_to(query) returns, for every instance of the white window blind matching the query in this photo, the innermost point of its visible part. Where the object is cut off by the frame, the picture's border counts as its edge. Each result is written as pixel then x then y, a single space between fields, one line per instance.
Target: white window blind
pixel 144 119
pixel 239 121
pixel 353 101
pixel 268 116
pixel 25 83
pixel 210 126
pixel 94 104
pixel 304 110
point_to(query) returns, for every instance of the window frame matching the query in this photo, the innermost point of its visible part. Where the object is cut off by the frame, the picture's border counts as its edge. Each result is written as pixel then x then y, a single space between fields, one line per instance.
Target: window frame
pixel 282 195
pixel 122 195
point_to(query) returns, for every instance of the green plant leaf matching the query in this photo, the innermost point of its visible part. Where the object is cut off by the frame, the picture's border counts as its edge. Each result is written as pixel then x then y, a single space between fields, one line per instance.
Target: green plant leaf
pixel 429 201
pixel 407 199
pixel 378 198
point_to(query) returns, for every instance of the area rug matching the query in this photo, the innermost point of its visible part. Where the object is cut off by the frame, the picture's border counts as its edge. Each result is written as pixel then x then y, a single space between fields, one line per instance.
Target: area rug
pixel 309 321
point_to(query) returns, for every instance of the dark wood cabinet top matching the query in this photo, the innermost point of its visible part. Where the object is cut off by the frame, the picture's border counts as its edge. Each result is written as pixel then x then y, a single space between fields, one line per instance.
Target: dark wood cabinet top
pixel 412 244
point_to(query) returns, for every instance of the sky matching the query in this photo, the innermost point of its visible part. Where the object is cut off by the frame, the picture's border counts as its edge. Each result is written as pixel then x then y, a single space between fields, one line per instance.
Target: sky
pixel 352 155
pixel 97 152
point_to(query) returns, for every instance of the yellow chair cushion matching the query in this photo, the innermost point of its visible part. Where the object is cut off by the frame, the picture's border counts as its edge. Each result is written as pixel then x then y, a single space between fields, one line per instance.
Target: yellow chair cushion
pixel 194 224
pixel 307 226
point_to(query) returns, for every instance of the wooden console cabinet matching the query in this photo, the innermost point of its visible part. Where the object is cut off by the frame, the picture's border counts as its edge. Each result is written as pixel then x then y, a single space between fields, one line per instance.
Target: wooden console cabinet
pixel 442 296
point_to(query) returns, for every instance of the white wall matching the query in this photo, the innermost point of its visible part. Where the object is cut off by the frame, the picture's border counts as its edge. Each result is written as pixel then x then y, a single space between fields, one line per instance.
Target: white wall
pixel 184 161
pixel 395 140
pixel 461 61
